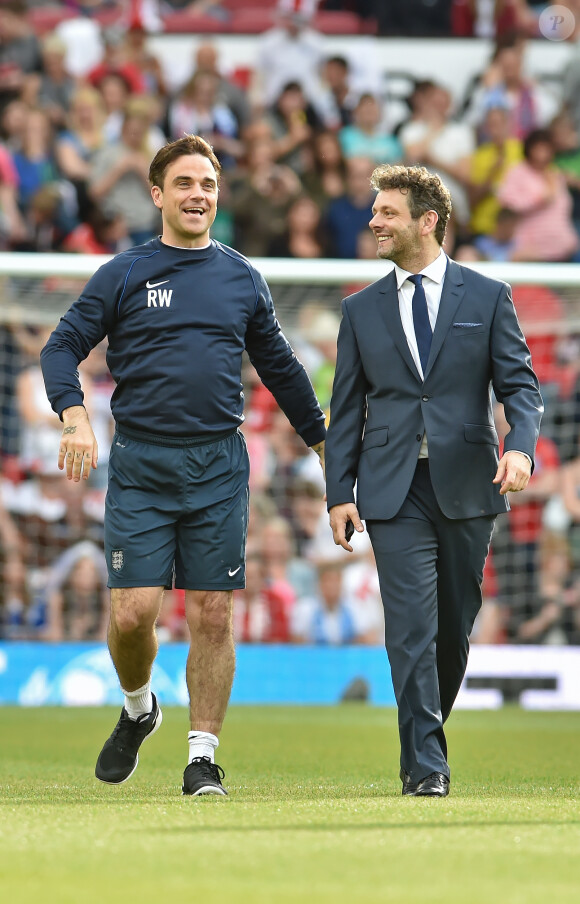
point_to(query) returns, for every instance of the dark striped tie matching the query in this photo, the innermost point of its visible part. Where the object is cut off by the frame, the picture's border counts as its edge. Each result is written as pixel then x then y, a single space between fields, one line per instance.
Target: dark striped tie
pixel 423 331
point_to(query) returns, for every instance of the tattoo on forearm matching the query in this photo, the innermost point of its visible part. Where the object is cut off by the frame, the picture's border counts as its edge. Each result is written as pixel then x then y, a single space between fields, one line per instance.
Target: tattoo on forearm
pixel 70 430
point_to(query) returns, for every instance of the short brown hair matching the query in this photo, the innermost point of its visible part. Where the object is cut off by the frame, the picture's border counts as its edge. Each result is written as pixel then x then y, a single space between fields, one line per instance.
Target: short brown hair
pixel 182 147
pixel 425 192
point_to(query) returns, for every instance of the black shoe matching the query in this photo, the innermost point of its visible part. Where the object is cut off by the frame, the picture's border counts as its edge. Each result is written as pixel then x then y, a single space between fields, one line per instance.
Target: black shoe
pixel 119 757
pixel 409 786
pixel 434 785
pixel 203 777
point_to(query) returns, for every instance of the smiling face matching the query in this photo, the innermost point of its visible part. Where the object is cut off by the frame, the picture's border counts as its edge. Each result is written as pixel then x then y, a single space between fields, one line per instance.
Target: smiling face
pixel 400 238
pixel 187 201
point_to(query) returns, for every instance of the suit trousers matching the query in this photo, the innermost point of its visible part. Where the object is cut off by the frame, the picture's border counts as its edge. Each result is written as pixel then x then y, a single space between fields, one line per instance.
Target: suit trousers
pixel 430 571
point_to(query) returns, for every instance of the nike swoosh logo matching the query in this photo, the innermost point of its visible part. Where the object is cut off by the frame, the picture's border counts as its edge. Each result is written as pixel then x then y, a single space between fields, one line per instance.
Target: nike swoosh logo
pixel 153 285
pixel 232 573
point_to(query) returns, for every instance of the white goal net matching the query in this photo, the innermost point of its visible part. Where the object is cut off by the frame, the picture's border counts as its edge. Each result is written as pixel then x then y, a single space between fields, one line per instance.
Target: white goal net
pixel 53 575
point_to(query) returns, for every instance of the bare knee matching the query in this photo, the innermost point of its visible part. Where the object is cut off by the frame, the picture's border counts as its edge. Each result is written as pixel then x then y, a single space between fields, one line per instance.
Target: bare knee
pixel 135 610
pixel 210 613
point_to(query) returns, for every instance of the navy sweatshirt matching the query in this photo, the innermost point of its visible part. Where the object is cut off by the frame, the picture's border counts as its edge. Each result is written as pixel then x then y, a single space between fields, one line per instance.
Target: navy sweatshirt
pixel 178 321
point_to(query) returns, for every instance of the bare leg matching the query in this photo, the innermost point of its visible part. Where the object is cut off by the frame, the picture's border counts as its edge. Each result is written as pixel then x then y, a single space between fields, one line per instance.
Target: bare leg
pixel 211 659
pixel 132 639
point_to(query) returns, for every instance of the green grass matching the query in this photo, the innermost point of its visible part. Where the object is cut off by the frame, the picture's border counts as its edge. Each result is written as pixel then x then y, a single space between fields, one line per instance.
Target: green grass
pixel 314 813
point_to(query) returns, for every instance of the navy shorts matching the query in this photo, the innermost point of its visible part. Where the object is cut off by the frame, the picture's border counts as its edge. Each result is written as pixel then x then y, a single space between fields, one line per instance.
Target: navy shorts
pixel 176 512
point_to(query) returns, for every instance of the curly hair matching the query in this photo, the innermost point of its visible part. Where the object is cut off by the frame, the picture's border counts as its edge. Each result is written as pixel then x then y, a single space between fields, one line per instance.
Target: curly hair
pixel 425 191
pixel 187 146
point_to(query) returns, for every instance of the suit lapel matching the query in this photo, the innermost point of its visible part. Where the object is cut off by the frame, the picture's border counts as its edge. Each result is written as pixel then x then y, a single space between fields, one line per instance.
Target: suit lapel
pixel 453 292
pixel 388 304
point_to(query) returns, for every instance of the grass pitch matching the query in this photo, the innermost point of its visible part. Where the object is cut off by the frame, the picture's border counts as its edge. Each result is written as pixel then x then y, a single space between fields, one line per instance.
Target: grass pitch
pixel 314 814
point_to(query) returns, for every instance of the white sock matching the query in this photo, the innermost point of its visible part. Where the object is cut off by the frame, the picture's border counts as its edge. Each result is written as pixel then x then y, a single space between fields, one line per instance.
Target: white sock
pixel 202 743
pixel 139 702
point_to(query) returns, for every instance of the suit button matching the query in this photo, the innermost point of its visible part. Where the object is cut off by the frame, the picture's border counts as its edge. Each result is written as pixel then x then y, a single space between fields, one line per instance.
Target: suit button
pixel 418 437
pixel 425 398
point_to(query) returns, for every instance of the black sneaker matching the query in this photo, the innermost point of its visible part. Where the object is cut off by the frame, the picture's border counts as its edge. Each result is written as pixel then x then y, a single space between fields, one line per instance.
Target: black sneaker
pixel 203 777
pixel 119 757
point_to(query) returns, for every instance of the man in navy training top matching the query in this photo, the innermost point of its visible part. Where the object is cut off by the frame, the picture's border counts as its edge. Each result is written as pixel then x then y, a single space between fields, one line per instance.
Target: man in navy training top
pixel 178 312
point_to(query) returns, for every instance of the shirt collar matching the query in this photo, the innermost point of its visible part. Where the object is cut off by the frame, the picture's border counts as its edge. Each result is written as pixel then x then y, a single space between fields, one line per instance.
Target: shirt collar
pixel 435 270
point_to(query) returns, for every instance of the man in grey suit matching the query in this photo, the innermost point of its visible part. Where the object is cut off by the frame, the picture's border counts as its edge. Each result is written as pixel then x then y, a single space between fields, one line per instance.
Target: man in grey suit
pixel 411 425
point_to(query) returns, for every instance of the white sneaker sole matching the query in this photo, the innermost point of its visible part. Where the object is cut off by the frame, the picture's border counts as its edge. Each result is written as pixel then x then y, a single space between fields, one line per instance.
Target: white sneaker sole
pixel 208 789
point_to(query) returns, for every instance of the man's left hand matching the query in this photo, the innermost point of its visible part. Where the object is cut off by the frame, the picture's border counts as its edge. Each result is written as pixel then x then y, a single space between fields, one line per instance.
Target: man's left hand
pixel 513 472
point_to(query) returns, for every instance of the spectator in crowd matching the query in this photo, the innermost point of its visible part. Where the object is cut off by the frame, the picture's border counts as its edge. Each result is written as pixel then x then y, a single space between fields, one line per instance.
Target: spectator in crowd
pixel 16 611
pixel 566 143
pixel 433 139
pixel 262 609
pixel 292 51
pixel 536 190
pixel 489 164
pixel 54 87
pixel 505 83
pixel 321 333
pixel 14 116
pixel 325 176
pixel 49 218
pixel 34 161
pixel 261 195
pixel 98 234
pixel 198 110
pixel 553 617
pixel 571 81
pixel 228 93
pixel 77 598
pixel 139 56
pixel 115 92
pixel 76 147
pixel 12 228
pixel 361 585
pixel 304 237
pixel 571 500
pixel 40 427
pixel 516 540
pixel 368 134
pixel 291 575
pixel 118 58
pixel 500 244
pixel 290 476
pixel 19 49
pixel 348 215
pixel 306 506
pixel 119 179
pixel 118 102
pixel 337 99
pixel 50 517
pixel 293 122
pixel 328 618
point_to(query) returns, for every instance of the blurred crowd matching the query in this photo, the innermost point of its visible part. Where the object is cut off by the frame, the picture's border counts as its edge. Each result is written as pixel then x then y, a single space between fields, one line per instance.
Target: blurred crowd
pixel 298 136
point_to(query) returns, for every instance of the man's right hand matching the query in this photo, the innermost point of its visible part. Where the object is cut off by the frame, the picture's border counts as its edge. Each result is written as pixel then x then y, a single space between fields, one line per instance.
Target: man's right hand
pixel 340 515
pixel 78 450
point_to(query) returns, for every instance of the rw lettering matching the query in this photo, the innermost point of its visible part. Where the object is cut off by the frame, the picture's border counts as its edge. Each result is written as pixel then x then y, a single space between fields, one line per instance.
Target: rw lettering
pixel 159 298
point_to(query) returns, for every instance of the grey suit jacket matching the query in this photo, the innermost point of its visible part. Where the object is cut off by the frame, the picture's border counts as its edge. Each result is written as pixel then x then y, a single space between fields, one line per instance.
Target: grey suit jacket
pixel 380 406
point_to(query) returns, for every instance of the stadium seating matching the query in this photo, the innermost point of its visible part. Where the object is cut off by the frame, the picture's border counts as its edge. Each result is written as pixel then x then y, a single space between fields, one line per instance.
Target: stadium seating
pixel 244 17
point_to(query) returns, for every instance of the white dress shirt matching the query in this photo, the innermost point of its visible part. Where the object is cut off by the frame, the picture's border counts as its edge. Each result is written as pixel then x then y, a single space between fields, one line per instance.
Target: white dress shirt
pixel 433 278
